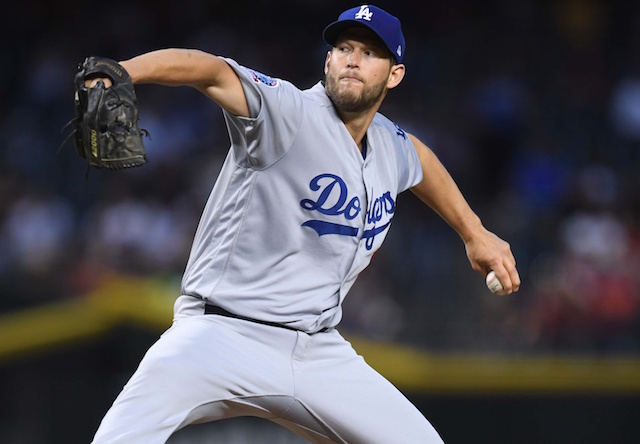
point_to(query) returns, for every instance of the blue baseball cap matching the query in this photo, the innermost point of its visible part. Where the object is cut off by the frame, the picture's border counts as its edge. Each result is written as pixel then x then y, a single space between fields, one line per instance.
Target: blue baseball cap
pixel 383 24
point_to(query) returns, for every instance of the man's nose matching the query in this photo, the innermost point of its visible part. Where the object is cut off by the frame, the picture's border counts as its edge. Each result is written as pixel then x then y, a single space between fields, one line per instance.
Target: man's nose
pixel 354 59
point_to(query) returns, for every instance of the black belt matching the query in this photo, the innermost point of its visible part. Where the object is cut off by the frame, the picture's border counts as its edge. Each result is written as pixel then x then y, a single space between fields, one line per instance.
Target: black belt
pixel 215 310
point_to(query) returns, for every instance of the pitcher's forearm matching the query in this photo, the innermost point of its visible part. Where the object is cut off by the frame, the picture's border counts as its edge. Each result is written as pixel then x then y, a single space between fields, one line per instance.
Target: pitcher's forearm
pixel 175 67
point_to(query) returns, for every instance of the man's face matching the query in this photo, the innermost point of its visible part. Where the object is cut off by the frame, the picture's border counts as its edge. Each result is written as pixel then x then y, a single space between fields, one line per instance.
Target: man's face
pixel 357 71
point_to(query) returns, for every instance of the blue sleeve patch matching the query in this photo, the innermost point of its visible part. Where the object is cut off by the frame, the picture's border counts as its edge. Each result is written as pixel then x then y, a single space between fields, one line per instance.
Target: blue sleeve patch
pixel 400 132
pixel 262 78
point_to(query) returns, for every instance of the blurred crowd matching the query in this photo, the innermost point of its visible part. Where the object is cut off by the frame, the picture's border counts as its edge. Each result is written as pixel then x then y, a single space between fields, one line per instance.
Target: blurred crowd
pixel 533 106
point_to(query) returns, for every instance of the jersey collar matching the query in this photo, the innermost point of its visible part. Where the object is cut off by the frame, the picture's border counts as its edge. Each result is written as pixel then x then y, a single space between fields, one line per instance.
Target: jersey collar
pixel 321 94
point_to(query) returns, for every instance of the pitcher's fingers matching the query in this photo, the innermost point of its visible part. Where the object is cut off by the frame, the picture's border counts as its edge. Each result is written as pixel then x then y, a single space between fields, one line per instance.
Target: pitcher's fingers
pixel 508 275
pixel 515 278
pixel 90 83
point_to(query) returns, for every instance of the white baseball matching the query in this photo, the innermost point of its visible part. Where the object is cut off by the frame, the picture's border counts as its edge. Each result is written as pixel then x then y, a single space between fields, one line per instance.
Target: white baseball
pixel 494 284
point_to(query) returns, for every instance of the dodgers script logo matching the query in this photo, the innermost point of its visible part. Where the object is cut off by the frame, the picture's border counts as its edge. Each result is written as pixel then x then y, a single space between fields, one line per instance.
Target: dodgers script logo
pixel 332 199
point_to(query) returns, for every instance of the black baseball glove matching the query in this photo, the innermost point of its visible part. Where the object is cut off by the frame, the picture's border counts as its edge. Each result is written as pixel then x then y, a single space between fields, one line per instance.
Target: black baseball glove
pixel 106 129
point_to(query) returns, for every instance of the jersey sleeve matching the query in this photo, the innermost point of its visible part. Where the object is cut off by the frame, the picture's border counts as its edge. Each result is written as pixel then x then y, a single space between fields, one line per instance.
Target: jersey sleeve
pixel 276 112
pixel 413 174
pixel 407 160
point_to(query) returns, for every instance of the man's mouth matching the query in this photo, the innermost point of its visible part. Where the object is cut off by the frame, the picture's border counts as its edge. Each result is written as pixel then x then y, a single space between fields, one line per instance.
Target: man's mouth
pixel 350 78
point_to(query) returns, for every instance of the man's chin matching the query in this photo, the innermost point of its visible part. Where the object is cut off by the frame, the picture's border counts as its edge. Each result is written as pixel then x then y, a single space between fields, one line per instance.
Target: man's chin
pixel 350 89
pixel 347 97
pixel 349 106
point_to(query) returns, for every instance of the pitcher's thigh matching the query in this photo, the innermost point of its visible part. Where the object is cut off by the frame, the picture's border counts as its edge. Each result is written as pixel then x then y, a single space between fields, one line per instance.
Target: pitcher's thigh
pixel 188 375
pixel 363 407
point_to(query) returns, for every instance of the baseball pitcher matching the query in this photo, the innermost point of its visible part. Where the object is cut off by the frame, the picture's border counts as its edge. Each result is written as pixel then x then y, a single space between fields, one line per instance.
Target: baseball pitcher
pixel 305 198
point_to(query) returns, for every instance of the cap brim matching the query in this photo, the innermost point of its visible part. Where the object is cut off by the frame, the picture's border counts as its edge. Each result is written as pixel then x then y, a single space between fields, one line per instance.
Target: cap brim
pixel 333 31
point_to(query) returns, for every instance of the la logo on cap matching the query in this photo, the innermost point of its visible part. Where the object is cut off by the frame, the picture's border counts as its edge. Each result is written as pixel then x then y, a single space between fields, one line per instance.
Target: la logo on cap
pixel 364 13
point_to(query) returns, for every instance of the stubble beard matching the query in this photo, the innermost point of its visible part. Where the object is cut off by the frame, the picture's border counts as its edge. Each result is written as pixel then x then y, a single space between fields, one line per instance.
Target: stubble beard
pixel 350 102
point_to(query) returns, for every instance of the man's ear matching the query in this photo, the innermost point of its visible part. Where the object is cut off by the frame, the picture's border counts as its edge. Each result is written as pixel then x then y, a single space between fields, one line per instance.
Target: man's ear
pixel 326 63
pixel 396 75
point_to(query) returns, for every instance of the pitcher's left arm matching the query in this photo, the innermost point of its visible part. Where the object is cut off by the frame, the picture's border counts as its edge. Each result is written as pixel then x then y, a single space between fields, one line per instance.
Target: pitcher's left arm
pixel 485 250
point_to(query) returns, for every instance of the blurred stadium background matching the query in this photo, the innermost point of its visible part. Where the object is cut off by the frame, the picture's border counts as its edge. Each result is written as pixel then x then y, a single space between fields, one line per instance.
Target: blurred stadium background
pixel 534 107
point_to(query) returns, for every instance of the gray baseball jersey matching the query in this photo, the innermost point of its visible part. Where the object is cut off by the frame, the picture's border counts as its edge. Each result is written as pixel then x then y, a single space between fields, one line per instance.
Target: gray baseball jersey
pixel 296 214
pixel 297 211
